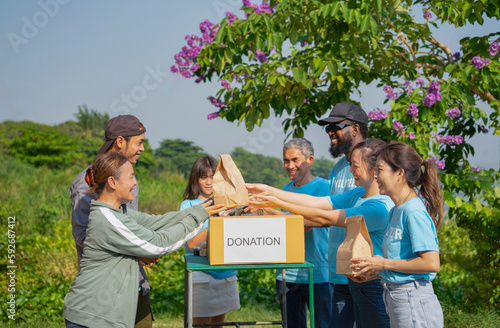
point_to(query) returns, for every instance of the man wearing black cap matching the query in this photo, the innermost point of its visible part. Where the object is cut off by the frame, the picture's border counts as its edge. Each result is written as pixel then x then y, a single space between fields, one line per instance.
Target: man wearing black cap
pixel 346 127
pixel 124 134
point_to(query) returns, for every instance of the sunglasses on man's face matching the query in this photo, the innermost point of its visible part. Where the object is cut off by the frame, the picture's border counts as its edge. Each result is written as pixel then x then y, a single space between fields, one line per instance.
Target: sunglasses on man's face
pixel 336 127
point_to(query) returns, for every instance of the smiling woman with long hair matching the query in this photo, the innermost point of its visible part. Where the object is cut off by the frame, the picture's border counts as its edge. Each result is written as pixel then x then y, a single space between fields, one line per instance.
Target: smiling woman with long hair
pixel 104 292
pixel 410 258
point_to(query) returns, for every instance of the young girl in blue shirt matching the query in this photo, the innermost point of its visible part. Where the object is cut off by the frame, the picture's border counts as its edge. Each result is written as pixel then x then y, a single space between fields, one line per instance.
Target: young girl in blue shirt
pixel 410 247
pixel 214 292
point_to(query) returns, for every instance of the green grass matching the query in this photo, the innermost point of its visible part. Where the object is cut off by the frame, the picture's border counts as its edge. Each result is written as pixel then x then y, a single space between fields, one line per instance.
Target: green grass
pixel 454 318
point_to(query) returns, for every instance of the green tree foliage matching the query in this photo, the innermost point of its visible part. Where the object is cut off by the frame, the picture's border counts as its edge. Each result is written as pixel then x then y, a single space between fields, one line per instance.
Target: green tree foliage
pixel 178 155
pixel 43 145
pixel 322 167
pixel 298 58
pixel 260 168
pixel 91 120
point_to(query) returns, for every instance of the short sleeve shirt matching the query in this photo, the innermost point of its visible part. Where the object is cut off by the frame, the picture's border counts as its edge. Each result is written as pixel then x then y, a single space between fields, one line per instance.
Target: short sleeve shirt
pixel 315 240
pixel 411 230
pixel 341 180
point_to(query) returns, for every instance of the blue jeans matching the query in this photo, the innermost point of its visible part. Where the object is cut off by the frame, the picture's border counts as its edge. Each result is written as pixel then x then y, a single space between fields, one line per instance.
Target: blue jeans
pixel 413 304
pixel 342 307
pixel 297 299
pixel 70 324
pixel 369 307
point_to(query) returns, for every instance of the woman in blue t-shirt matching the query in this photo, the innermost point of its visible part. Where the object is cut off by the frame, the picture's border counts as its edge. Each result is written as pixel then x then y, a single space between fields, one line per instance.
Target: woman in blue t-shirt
pixel 214 292
pixel 410 247
pixel 369 309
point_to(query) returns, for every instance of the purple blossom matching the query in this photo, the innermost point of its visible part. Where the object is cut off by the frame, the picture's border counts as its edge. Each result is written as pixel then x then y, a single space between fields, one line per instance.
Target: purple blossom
pixel 261 56
pixel 433 94
pixel 429 100
pixel 195 67
pixel 480 62
pixel 476 169
pixel 230 17
pixel 439 164
pixel 200 78
pixel 225 84
pixel 377 115
pixel 186 59
pixel 263 8
pixel 408 86
pixel 427 14
pixel 412 110
pixel 397 126
pixel 216 102
pixel 412 135
pixel 484 129
pixel 213 115
pixel 449 140
pixel 434 87
pixel 456 55
pixel 392 95
pixel 419 81
pixel 493 49
pixel 387 88
pixel 453 112
pixel 390 92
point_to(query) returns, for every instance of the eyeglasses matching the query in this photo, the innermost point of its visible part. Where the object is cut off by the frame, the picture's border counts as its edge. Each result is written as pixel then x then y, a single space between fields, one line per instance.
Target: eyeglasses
pixel 336 127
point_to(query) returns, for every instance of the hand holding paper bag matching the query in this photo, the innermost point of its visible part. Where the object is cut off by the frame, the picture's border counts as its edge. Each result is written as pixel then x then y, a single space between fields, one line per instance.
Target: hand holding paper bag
pixel 229 186
pixel 357 243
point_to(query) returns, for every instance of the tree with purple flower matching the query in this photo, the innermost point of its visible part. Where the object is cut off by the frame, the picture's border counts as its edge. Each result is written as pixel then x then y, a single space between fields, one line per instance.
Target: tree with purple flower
pixel 263 57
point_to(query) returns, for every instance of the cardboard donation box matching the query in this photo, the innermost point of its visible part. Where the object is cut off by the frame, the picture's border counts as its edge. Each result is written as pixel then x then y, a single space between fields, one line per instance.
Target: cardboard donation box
pixel 229 186
pixel 357 243
pixel 256 239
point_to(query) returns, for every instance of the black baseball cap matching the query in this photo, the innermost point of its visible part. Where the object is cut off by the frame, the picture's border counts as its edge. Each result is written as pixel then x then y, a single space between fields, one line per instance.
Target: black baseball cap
pixel 345 111
pixel 121 125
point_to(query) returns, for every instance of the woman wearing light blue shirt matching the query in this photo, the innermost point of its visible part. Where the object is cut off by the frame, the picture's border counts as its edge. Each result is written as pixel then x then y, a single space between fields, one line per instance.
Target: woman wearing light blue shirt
pixel 410 248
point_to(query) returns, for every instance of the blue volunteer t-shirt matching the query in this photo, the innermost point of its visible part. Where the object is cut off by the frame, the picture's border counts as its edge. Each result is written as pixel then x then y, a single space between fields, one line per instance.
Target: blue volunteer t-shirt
pixel 216 274
pixel 316 240
pixel 341 181
pixel 411 230
pixel 375 210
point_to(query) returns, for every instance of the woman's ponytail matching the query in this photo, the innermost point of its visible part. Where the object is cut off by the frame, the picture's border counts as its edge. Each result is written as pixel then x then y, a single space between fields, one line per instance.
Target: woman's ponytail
pixel 431 192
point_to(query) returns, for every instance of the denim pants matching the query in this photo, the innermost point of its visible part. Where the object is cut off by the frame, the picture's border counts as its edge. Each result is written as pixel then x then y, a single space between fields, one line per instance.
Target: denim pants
pixel 70 324
pixel 369 307
pixel 413 304
pixel 297 299
pixel 342 307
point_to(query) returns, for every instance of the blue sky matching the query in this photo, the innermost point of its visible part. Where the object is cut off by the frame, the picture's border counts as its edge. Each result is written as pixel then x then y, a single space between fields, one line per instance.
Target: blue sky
pixel 115 57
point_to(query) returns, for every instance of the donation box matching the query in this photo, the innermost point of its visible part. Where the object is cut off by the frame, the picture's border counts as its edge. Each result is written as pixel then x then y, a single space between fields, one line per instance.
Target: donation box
pixel 256 239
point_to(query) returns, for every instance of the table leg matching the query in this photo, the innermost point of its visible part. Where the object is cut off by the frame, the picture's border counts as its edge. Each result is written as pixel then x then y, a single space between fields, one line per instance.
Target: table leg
pixel 188 299
pixel 311 297
pixel 283 299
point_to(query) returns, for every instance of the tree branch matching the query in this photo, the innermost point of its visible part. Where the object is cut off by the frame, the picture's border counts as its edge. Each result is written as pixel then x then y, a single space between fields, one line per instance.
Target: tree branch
pixel 445 48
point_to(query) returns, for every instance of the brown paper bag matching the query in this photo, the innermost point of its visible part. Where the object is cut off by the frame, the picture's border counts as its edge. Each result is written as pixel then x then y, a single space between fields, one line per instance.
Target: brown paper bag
pixel 229 186
pixel 357 243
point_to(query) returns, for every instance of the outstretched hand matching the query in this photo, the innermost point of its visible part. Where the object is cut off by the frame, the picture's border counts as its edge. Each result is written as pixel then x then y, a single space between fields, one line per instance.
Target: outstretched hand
pixel 214 209
pixel 263 201
pixel 258 188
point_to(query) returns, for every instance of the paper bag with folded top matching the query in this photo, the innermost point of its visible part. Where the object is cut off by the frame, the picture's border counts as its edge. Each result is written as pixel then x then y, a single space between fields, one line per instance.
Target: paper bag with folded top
pixel 229 186
pixel 357 243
